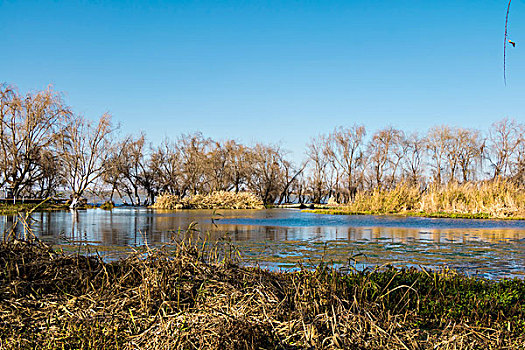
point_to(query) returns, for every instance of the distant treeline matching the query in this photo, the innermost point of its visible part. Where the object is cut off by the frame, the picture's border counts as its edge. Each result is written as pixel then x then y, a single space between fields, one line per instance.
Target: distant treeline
pixel 346 160
pixel 45 148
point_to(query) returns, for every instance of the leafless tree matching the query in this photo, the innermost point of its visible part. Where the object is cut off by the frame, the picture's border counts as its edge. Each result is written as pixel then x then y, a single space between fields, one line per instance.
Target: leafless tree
pixel 29 126
pixel 519 167
pixel 266 178
pixel 194 150
pixel 385 155
pixel 415 152
pixel 503 141
pixel 84 148
pixel 317 182
pixel 470 152
pixel 126 167
pixel 166 165
pixel 436 142
pixel 346 154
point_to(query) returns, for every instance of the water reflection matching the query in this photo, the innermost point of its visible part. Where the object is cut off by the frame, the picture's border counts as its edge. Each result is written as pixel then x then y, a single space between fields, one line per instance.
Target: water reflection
pixel 283 238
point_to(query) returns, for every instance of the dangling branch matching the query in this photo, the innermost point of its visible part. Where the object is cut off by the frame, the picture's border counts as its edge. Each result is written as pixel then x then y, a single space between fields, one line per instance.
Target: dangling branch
pixel 505 45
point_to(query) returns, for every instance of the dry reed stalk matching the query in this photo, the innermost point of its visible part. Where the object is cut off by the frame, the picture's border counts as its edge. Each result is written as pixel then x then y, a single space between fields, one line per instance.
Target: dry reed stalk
pixel 214 200
pixel 188 296
pixel 495 199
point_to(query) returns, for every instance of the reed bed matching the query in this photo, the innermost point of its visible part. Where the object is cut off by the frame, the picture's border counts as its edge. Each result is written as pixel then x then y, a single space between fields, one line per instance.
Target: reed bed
pixel 214 200
pixel 486 199
pixel 194 295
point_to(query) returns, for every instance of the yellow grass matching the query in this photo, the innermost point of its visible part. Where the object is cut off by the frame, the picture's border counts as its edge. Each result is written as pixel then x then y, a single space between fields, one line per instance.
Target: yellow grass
pixel 495 199
pixel 214 200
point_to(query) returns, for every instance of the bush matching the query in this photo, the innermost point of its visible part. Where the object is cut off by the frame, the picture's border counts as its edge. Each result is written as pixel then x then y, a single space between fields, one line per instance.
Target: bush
pixel 214 200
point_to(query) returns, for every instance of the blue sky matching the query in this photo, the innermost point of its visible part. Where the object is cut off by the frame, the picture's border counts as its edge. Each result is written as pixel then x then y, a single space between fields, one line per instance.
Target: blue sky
pixel 270 71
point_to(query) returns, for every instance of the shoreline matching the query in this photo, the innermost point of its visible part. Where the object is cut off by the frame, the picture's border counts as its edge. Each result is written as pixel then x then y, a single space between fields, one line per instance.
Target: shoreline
pixel 438 215
pixel 12 209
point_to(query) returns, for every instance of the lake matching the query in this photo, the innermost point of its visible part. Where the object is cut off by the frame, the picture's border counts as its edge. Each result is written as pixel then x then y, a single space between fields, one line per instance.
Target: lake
pixel 284 238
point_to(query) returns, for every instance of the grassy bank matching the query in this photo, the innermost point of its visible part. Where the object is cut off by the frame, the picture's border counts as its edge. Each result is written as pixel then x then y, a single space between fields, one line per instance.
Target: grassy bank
pixel 9 209
pixel 192 296
pixel 499 199
pixel 214 200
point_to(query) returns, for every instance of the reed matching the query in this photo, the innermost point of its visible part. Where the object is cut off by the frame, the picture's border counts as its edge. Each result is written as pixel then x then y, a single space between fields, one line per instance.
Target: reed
pixel 497 199
pixel 500 199
pixel 214 200
pixel 195 295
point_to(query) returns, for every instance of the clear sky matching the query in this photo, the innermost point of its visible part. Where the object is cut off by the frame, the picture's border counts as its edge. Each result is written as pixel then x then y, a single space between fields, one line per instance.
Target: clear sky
pixel 270 71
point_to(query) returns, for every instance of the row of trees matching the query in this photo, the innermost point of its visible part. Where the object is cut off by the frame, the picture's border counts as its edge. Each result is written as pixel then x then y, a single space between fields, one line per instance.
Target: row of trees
pixel 193 164
pixel 45 149
pixel 345 161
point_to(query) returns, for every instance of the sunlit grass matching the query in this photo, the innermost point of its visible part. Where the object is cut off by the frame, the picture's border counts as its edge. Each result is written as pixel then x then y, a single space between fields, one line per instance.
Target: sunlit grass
pixel 193 294
pixel 214 200
pixel 499 199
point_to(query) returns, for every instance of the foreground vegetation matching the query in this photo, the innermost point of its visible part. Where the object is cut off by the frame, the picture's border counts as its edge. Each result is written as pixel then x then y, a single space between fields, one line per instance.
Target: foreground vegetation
pixel 191 295
pixel 500 199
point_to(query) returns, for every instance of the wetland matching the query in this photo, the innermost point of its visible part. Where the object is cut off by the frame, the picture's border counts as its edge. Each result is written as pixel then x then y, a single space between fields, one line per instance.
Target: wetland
pixel 288 238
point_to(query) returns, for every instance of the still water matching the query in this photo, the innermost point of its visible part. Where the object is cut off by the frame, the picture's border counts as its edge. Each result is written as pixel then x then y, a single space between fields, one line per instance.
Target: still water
pixel 284 238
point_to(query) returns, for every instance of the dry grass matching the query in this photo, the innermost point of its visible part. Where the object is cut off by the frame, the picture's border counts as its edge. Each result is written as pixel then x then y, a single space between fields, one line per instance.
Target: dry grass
pixel 498 199
pixel 194 296
pixel 214 200
pixel 486 199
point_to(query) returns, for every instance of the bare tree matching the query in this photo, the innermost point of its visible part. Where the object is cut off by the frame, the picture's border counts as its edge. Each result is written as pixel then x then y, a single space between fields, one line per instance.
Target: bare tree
pixel 166 164
pixel 415 152
pixel 194 150
pixel 28 129
pixel 470 152
pixel 237 159
pixel 436 141
pixel 226 166
pixel 291 177
pixel 345 152
pixel 318 161
pixel 126 166
pixel 503 141
pixel 112 174
pixel 84 148
pixel 267 176
pixel 385 155
pixel 519 167
pixel 51 178
pixel 452 152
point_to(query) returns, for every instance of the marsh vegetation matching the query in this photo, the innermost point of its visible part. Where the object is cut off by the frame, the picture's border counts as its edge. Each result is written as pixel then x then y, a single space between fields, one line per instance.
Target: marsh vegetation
pixel 481 200
pixel 195 295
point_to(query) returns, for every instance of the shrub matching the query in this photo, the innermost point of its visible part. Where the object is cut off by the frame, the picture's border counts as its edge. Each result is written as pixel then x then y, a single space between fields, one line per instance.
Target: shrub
pixel 214 200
